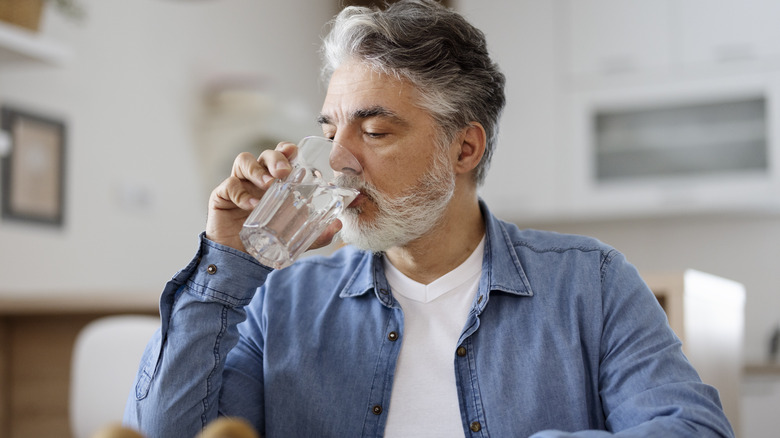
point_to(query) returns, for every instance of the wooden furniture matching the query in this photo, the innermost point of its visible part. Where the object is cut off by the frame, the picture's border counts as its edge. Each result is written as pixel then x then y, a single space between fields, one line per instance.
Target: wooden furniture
pixel 707 314
pixel 37 333
pixel 24 13
pixel 762 370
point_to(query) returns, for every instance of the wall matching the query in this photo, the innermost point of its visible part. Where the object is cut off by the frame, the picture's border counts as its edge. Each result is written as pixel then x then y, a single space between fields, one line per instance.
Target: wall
pixel 132 98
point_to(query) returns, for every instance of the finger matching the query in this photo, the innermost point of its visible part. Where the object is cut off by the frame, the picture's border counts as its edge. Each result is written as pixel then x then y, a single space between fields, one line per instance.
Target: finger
pixel 271 164
pixel 247 167
pixel 277 161
pixel 235 192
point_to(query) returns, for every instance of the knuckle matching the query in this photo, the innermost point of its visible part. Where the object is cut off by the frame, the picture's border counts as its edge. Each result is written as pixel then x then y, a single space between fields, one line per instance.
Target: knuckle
pixel 242 159
pixel 233 184
pixel 269 154
pixel 225 188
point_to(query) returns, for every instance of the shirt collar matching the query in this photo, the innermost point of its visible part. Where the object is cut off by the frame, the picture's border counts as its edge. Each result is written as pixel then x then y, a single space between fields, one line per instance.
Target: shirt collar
pixel 501 268
pixel 362 279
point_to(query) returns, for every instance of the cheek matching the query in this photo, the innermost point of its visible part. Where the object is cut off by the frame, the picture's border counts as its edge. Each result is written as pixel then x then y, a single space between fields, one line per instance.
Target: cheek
pixel 395 176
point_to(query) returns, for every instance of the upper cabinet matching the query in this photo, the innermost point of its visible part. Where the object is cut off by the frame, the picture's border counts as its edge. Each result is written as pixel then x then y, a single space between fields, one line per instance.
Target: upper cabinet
pixel 604 37
pixel 669 107
pixel 726 31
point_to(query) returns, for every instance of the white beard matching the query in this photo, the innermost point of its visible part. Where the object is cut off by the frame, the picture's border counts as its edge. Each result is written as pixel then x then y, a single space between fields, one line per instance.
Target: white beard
pixel 403 219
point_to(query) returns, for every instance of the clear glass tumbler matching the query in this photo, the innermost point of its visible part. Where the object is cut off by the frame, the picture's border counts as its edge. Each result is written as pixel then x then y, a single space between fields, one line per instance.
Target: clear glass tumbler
pixel 295 211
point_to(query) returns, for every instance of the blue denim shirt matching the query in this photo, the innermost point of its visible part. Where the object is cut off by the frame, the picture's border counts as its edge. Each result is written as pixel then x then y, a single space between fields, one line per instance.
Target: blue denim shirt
pixel 564 339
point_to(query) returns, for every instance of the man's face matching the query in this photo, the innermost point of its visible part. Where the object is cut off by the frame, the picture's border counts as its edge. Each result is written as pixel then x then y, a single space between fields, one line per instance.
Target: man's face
pixel 407 180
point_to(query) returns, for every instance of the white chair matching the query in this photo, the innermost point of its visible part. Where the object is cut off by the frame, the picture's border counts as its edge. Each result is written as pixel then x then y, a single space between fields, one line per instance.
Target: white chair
pixel 105 360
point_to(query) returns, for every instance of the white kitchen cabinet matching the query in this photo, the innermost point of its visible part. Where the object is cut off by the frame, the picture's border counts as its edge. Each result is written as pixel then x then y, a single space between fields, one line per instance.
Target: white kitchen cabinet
pixel 722 32
pixel 602 38
pixel 636 62
pixel 676 159
pixel 605 37
pixel 567 61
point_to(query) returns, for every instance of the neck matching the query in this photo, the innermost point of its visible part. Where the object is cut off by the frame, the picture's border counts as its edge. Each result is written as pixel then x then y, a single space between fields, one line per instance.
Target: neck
pixel 448 245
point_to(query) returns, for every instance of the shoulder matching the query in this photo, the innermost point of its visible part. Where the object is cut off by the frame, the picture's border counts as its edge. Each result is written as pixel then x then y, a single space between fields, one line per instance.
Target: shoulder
pixel 541 252
pixel 541 241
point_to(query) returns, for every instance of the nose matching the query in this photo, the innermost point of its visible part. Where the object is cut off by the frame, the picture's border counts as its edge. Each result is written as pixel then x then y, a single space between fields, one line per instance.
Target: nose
pixel 342 160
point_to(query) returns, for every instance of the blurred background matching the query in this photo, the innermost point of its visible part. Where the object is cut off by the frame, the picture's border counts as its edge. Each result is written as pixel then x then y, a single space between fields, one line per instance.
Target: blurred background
pixel 651 125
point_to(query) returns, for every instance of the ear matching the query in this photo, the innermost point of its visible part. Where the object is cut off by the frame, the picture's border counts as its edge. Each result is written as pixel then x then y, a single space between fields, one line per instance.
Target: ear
pixel 471 143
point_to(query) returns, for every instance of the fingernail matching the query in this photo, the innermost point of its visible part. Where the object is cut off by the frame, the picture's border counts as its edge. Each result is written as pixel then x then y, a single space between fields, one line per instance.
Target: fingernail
pixel 254 202
pixel 282 165
pixel 267 178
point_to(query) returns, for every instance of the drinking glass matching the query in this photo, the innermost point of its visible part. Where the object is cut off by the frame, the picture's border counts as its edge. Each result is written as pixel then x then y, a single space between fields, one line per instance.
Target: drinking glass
pixel 295 211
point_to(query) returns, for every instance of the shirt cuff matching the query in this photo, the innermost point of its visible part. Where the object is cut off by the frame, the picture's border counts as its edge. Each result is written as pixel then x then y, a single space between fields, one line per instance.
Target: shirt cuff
pixel 225 275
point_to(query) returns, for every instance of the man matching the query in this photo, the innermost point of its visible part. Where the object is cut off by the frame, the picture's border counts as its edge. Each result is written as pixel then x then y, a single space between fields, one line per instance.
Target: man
pixel 439 319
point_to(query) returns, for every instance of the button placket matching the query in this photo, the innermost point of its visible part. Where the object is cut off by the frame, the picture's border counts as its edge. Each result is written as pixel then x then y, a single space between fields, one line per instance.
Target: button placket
pixel 462 366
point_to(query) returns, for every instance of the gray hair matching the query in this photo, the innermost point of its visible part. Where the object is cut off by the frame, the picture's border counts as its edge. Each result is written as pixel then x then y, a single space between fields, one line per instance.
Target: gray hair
pixel 434 48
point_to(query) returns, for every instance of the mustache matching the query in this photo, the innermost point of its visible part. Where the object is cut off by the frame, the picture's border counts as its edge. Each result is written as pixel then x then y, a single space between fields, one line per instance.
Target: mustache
pixel 349 181
pixel 357 183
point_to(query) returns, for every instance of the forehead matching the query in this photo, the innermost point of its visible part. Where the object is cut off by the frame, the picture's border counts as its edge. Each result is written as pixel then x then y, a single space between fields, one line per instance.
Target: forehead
pixel 355 87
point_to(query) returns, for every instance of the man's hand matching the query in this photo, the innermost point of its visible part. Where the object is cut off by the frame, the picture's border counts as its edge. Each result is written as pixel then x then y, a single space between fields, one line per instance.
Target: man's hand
pixel 233 200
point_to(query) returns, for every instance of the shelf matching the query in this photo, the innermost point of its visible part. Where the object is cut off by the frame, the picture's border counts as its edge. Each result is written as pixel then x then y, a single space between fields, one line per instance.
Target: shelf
pixel 763 369
pixel 18 45
pixel 77 302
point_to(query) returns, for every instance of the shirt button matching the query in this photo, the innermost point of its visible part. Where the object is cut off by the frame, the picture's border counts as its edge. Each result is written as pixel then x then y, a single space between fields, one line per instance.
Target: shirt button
pixel 393 336
pixel 461 351
pixel 475 426
pixel 212 269
pixel 376 409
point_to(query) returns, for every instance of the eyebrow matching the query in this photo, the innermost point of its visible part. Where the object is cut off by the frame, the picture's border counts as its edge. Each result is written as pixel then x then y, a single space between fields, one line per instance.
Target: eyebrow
pixel 366 113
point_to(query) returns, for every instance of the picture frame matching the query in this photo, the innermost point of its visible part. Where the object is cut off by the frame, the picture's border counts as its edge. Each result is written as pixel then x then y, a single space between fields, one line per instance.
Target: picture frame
pixel 33 171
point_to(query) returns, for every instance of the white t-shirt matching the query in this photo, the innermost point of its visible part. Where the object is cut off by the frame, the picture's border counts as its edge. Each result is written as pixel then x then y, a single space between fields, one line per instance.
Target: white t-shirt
pixel 424 401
